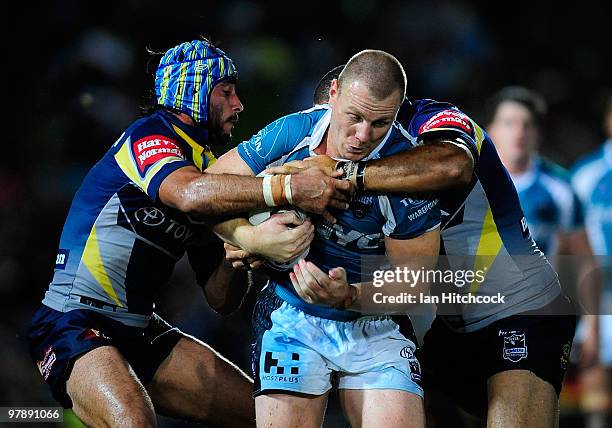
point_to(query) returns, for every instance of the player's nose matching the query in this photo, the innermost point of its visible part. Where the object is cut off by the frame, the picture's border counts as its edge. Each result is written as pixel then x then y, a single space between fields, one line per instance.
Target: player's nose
pixel 362 132
pixel 237 106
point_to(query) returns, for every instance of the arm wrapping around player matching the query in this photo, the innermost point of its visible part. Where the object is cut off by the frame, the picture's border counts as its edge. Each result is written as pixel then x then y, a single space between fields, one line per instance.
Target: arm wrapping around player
pixel 432 167
pixel 438 165
pixel 194 193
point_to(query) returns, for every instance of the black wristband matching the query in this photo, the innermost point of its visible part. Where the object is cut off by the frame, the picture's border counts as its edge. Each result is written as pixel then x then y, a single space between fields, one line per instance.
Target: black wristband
pixel 359 178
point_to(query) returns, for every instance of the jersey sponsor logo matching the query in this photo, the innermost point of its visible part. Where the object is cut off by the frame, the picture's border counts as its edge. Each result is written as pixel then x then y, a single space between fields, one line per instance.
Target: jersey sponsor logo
pixel 46 364
pixel 159 223
pixel 420 208
pixel 445 119
pixel 525 228
pixel 350 238
pixel 275 372
pixel 258 139
pixel 150 216
pixel 61 259
pixel 515 346
pixel 153 148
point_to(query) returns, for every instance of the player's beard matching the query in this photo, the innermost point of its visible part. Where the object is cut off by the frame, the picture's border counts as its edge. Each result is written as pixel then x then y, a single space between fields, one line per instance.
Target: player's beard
pixel 216 134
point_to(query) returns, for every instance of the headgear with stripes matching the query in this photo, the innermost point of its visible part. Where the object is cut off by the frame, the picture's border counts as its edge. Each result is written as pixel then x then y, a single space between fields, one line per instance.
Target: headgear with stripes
pixel 187 74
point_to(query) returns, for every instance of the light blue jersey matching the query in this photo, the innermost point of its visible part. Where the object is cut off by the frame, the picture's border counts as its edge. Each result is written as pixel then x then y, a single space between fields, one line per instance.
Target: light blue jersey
pixel 361 229
pixel 299 346
pixel 549 203
pixel 592 180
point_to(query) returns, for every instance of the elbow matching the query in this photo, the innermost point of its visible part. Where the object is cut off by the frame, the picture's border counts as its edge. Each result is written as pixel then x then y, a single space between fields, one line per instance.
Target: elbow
pixel 222 306
pixel 187 203
pixel 460 170
pixel 192 201
pixel 225 310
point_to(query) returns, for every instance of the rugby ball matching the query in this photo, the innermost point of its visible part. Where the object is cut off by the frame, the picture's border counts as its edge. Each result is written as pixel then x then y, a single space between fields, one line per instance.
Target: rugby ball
pixel 259 216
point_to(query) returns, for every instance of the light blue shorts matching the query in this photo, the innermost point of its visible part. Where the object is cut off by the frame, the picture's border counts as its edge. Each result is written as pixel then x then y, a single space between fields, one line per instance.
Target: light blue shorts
pixel 297 352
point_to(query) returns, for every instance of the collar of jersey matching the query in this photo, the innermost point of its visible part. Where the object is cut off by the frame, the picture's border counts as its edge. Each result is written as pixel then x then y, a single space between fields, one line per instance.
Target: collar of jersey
pixel 195 137
pixel 321 126
pixel 524 180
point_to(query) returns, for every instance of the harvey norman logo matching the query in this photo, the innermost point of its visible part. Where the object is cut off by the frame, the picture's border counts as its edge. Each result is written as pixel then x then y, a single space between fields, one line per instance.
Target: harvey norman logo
pixel 445 119
pixel 153 148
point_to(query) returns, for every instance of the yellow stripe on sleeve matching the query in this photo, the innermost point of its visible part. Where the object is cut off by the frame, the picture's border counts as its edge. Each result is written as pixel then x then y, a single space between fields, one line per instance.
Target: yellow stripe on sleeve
pixel 479 136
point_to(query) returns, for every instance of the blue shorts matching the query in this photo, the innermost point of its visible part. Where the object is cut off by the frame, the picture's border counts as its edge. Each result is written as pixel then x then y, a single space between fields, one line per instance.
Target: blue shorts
pixel 57 339
pixel 301 353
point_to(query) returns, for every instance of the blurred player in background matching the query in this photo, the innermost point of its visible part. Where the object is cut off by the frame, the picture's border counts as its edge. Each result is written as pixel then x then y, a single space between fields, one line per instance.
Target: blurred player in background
pixel 302 348
pixel 507 360
pixel 96 340
pixel 516 117
pixel 592 180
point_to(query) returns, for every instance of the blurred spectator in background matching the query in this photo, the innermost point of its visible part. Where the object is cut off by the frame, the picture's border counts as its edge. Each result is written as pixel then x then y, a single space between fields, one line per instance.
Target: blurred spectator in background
pixel 592 180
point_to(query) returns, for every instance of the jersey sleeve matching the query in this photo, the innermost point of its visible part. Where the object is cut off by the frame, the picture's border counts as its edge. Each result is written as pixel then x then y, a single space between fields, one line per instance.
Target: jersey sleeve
pixel 433 120
pixel 148 156
pixel 407 218
pixel 274 141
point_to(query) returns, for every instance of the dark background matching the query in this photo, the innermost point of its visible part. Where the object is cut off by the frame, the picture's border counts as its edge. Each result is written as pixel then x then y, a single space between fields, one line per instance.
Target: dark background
pixel 77 73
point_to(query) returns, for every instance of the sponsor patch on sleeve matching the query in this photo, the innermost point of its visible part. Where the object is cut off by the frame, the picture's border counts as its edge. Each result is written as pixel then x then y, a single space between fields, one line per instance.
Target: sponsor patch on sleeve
pixel 447 119
pixel 153 148
pixel 62 258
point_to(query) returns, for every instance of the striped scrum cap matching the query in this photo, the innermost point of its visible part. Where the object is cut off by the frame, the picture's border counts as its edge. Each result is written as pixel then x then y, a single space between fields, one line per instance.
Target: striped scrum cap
pixel 187 74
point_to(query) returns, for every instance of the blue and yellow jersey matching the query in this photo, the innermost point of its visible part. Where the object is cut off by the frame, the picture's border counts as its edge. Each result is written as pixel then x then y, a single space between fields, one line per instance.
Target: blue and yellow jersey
pixel 483 224
pixel 119 244
pixel 549 203
pixel 362 228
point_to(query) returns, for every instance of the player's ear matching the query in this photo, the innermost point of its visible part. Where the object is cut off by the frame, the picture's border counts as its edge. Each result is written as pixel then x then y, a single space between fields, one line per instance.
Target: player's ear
pixel 334 91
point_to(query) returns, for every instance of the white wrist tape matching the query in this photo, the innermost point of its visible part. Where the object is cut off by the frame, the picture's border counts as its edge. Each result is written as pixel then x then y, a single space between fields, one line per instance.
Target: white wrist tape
pixel 267 191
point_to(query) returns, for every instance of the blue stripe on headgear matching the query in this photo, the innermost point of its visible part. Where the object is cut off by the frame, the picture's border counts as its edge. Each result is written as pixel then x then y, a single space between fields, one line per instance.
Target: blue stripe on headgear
pixel 187 74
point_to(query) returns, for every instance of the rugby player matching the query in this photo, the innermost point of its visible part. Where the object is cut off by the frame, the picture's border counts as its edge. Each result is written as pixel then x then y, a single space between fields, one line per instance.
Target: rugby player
pixel 301 349
pixel 592 180
pixel 95 339
pixel 508 360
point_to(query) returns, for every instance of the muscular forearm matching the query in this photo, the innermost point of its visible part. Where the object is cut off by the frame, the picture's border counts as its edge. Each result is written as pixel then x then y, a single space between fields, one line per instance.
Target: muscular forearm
pixel 226 288
pixel 214 195
pixel 432 167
